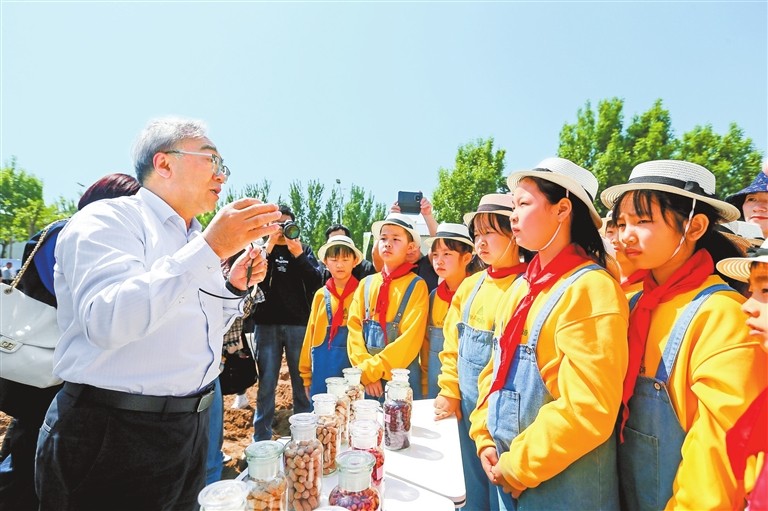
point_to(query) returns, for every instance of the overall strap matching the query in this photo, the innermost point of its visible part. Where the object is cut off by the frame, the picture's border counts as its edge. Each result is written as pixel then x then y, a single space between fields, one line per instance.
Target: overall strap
pixel 432 305
pixel 471 298
pixel 367 295
pixel 669 357
pixel 404 302
pixel 634 299
pixel 558 293
pixel 328 305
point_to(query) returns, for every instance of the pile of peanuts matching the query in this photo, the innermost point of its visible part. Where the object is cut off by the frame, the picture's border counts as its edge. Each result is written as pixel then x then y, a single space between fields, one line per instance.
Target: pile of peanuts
pixel 328 434
pixel 366 500
pixel 267 495
pixel 304 472
pixel 342 416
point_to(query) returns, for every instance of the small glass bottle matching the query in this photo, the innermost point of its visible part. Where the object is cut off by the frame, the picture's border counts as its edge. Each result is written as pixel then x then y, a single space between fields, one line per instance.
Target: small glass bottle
pixel 226 495
pixel 354 490
pixel 368 409
pixel 338 387
pixel 397 416
pixel 266 482
pixel 402 375
pixel 303 458
pixel 364 438
pixel 355 389
pixel 327 429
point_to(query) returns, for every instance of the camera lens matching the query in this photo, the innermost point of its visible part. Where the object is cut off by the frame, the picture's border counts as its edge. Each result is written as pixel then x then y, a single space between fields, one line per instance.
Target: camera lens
pixel 290 230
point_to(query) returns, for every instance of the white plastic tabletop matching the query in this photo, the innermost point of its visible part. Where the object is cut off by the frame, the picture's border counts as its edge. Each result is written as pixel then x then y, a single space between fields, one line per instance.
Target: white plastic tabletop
pixel 433 461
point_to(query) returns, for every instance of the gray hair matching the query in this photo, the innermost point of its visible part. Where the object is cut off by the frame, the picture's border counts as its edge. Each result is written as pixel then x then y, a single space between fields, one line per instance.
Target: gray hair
pixel 162 135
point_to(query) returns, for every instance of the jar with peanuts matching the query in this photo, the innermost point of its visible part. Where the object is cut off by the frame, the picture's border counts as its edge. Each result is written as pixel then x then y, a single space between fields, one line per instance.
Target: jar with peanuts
pixel 338 387
pixel 403 375
pixel 355 389
pixel 368 409
pixel 303 459
pixel 267 485
pixel 397 416
pixel 354 490
pixel 327 430
pixel 365 438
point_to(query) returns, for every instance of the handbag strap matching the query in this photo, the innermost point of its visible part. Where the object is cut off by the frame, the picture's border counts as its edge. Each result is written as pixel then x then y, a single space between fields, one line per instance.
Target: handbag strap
pixel 26 264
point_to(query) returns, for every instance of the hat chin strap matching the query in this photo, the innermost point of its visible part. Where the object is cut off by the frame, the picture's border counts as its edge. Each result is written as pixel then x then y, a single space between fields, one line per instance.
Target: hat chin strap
pixel 557 231
pixel 685 231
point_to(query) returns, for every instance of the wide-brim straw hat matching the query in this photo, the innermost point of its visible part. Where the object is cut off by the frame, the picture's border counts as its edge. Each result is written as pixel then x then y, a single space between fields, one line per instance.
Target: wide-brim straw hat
pixel 343 241
pixel 498 203
pixel 759 184
pixel 677 177
pixel 448 231
pixel 577 180
pixel 399 220
pixel 738 267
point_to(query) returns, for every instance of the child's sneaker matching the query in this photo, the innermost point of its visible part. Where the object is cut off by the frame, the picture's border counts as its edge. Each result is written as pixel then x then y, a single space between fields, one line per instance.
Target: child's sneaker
pixel 240 402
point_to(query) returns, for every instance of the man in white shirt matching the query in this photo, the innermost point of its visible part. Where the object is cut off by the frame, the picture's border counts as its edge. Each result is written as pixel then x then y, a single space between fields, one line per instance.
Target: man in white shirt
pixel 8 273
pixel 143 308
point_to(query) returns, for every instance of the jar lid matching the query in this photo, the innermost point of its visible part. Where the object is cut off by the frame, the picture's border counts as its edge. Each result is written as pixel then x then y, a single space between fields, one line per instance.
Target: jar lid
pixel 264 450
pixel 400 374
pixel 352 375
pixel 365 404
pixel 229 494
pixel 397 389
pixel 364 428
pixel 303 419
pixel 354 462
pixel 324 404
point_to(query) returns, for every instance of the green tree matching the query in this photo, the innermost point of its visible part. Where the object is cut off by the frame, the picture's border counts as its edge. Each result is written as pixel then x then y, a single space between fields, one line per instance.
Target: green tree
pixel 478 170
pixel 359 212
pixel 23 211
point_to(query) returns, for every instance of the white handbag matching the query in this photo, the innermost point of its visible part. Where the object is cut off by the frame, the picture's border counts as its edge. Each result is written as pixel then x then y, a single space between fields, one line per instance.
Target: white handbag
pixel 28 333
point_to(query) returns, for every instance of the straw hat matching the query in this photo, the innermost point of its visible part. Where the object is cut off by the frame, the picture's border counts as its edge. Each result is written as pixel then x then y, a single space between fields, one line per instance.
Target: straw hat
pixel 577 180
pixel 673 176
pixel 447 231
pixel 399 220
pixel 738 267
pixel 343 241
pixel 759 184
pixel 498 203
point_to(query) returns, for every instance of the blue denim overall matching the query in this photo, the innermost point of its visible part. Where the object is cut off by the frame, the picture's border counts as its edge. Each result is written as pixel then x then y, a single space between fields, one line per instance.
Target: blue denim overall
pixel 374 335
pixel 436 340
pixel 591 482
pixel 474 354
pixel 328 361
pixel 653 437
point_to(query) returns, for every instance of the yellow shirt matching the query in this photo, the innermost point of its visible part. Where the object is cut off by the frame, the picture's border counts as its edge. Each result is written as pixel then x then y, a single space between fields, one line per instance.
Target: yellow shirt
pixel 481 316
pixel 582 357
pixel 719 371
pixel 436 318
pixel 399 352
pixel 317 327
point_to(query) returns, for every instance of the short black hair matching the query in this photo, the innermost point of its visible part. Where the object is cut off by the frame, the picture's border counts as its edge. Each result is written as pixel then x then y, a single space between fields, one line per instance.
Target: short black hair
pixel 285 210
pixel 337 227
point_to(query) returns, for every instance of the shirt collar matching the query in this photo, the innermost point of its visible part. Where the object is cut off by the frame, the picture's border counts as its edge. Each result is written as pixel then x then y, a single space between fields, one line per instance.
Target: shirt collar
pixel 165 212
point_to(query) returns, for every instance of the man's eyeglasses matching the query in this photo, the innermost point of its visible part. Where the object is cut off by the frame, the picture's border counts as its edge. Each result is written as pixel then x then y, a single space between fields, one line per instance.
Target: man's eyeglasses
pixel 219 169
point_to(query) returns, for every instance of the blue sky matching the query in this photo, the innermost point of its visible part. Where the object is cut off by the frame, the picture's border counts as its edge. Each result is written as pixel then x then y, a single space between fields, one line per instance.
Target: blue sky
pixel 376 94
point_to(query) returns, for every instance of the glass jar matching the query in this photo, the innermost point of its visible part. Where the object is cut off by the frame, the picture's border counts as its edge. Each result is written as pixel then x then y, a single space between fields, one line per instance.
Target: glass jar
pixel 397 416
pixel 355 389
pixel 365 438
pixel 354 490
pixel 226 495
pixel 338 387
pixel 327 430
pixel 266 482
pixel 402 375
pixel 368 409
pixel 303 458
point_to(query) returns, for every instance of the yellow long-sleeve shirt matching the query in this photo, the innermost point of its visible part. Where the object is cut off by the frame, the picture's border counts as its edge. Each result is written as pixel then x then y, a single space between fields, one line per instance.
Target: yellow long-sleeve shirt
pixel 436 318
pixel 481 316
pixel 399 352
pixel 582 357
pixel 719 371
pixel 317 327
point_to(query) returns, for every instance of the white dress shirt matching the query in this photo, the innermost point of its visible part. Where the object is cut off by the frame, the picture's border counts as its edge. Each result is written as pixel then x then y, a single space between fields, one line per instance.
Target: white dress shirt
pixel 128 277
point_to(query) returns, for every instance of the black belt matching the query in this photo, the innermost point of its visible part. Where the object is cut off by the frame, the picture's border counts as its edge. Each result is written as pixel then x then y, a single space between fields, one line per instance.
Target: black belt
pixel 139 402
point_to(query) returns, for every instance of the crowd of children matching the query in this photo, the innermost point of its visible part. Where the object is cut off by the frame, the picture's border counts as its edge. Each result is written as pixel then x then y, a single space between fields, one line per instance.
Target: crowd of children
pixel 593 363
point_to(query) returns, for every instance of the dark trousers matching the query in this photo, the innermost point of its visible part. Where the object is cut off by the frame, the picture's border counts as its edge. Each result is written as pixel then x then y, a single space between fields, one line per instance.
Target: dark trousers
pixel 92 457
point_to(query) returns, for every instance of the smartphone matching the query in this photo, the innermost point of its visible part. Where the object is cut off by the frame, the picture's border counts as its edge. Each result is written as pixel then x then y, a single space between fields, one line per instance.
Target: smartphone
pixel 409 202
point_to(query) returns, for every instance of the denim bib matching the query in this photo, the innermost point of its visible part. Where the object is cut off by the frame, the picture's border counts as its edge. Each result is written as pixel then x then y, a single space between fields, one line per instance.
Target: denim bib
pixel 328 361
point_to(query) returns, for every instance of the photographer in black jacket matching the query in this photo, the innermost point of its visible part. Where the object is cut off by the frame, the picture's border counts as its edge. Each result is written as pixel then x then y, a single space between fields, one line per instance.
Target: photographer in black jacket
pixel 293 276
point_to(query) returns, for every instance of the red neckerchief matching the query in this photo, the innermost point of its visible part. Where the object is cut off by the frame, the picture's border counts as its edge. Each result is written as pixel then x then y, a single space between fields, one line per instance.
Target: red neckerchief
pixel 749 435
pixel 686 278
pixel 633 279
pixel 382 301
pixel 338 317
pixel 538 279
pixel 506 272
pixel 444 293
